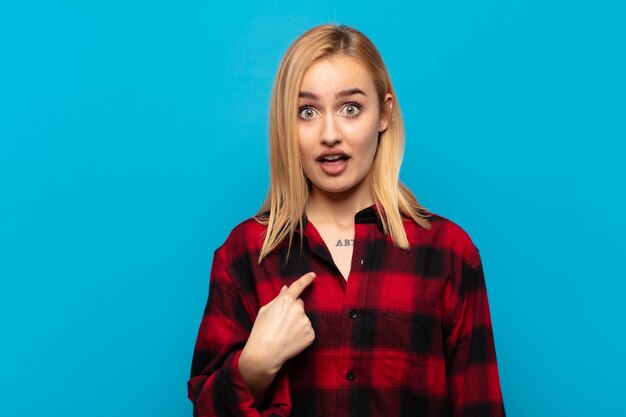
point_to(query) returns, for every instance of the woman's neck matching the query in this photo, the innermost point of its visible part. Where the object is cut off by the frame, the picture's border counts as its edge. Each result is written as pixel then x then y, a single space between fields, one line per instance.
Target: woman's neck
pixel 337 208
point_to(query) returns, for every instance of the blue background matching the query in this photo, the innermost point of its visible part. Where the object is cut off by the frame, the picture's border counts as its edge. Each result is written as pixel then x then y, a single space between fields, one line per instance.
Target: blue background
pixel 133 138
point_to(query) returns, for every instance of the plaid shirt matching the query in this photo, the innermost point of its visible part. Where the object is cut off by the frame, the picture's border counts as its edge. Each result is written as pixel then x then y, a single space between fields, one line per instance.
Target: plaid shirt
pixel 408 334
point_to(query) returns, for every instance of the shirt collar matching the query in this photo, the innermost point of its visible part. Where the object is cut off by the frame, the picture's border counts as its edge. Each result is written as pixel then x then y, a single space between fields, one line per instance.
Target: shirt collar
pixel 368 215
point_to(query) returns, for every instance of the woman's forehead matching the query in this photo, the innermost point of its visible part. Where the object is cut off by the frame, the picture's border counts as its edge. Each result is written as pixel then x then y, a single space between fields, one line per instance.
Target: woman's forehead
pixel 335 74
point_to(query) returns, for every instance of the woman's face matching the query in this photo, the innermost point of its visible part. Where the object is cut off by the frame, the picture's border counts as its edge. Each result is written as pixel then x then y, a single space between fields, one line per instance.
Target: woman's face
pixel 339 120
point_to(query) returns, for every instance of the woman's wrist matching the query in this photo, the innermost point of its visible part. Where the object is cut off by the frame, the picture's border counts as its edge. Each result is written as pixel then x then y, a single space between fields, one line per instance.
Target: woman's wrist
pixel 257 362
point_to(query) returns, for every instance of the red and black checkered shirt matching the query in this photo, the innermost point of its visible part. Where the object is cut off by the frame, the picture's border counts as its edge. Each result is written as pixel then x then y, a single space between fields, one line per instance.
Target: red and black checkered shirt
pixel 408 334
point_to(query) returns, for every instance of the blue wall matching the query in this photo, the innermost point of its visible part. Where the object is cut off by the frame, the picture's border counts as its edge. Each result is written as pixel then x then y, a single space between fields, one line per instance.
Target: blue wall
pixel 133 138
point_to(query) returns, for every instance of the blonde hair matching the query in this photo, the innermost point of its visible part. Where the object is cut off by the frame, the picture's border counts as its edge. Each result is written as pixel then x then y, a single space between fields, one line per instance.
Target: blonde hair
pixel 284 206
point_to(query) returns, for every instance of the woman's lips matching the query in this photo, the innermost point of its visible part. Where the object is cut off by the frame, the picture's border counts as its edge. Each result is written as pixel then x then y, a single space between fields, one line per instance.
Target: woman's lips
pixel 334 167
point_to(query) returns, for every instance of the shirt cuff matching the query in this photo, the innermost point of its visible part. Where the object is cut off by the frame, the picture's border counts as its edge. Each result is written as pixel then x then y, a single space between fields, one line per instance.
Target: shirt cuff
pixel 237 396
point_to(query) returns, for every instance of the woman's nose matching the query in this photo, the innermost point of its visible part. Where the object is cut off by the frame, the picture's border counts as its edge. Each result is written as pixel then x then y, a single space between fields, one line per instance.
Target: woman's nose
pixel 331 133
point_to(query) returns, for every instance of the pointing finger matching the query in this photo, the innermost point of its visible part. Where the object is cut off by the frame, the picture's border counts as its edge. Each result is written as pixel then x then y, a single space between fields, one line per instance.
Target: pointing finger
pixel 300 285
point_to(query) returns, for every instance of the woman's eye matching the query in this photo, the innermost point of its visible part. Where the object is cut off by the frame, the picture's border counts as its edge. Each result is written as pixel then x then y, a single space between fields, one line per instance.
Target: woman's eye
pixel 351 110
pixel 307 113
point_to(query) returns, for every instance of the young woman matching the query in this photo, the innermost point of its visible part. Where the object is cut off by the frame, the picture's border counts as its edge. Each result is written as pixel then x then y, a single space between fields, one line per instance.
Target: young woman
pixel 343 296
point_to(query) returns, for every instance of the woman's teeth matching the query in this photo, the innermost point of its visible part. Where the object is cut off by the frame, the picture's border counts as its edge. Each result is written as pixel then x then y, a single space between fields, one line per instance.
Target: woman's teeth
pixel 332 158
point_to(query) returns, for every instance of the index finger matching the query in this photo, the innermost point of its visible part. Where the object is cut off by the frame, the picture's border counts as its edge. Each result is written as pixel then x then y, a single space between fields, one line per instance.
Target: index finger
pixel 297 287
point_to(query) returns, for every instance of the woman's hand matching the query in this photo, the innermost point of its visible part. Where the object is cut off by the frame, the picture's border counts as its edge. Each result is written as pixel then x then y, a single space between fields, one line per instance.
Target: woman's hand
pixel 281 330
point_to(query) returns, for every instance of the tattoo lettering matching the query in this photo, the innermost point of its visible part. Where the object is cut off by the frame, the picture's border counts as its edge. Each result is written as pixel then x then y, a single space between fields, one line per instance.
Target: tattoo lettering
pixel 345 242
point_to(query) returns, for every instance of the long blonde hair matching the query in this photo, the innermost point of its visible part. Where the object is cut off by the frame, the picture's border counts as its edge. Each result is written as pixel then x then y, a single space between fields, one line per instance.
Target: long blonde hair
pixel 288 194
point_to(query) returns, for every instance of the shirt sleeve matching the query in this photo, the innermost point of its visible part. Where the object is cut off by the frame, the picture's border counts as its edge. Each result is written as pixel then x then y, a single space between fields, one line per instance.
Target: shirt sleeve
pixel 216 388
pixel 472 371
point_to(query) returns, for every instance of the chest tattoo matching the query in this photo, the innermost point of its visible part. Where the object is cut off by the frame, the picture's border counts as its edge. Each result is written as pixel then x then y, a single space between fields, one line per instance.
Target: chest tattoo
pixel 345 242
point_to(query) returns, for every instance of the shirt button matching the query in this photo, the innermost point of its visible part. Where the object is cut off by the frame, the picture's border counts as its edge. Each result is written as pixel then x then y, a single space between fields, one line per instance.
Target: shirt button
pixel 361 261
pixel 353 314
pixel 349 375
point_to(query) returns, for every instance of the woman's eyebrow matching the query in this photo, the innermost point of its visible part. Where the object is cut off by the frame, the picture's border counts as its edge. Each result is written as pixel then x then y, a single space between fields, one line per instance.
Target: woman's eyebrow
pixel 342 93
pixel 307 94
pixel 350 92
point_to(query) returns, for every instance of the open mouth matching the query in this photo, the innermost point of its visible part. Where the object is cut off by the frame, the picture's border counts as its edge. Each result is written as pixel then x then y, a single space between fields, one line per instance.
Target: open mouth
pixel 333 158
pixel 334 164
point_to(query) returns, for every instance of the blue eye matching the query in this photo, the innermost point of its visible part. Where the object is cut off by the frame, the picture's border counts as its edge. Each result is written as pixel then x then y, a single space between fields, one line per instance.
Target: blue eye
pixel 351 109
pixel 306 113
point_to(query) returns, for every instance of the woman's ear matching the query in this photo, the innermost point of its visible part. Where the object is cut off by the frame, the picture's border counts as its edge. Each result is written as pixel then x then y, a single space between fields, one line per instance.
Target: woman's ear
pixel 386 112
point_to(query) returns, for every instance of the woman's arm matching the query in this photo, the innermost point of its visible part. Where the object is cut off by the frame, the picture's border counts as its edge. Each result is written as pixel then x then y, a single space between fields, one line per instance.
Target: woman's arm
pixel 473 381
pixel 237 358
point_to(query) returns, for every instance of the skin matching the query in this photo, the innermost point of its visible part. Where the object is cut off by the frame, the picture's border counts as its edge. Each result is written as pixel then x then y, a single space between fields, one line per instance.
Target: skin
pixel 327 119
pixel 331 120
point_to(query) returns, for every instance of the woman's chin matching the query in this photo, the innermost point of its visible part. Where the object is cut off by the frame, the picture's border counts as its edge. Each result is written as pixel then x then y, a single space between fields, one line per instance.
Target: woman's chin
pixel 338 190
